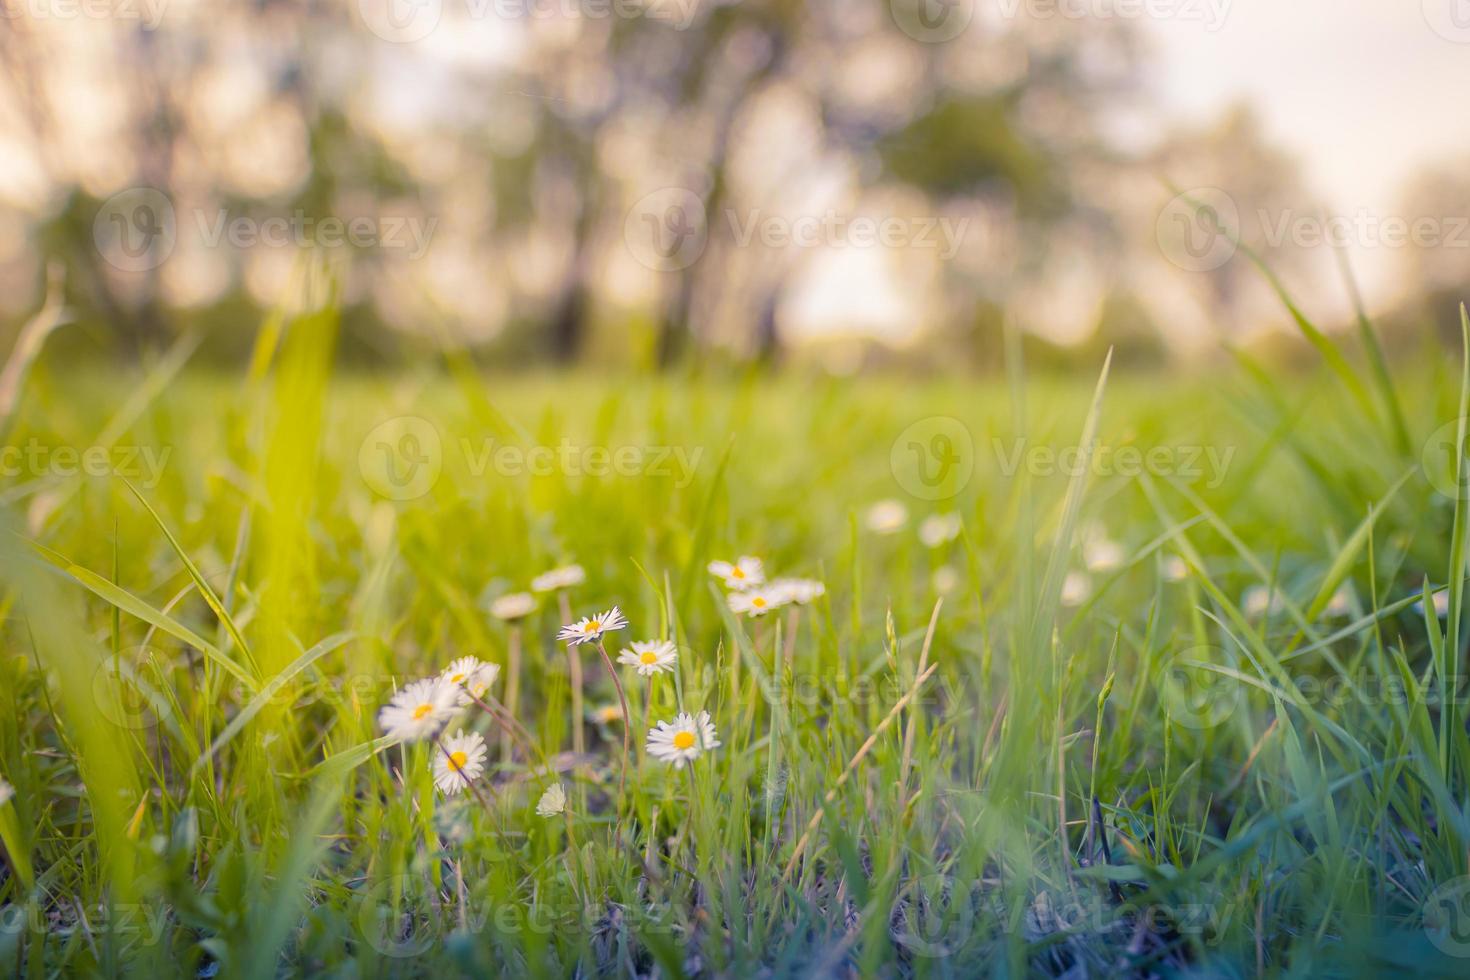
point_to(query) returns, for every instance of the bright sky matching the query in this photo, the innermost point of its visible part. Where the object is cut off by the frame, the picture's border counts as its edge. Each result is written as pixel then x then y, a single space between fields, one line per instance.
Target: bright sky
pixel 1365 92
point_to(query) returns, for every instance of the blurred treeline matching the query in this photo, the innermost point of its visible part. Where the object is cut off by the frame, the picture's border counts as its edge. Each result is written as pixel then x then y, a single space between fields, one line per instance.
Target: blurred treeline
pixel 527 137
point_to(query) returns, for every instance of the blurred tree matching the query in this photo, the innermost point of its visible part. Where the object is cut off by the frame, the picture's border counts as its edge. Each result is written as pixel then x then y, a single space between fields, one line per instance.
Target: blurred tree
pixel 1435 261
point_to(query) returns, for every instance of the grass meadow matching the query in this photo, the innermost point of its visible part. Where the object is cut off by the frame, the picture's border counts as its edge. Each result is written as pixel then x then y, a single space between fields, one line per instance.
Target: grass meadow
pixel 1142 674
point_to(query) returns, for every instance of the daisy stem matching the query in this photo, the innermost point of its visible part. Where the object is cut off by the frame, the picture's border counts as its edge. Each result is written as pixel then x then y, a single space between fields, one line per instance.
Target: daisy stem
pixel 574 669
pixel 647 723
pixel 648 705
pixel 793 622
pixel 693 821
pixel 509 726
pixel 512 684
pixel 623 699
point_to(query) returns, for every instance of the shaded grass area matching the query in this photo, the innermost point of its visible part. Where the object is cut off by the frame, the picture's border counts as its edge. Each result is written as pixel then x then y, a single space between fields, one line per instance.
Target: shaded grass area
pixel 1172 703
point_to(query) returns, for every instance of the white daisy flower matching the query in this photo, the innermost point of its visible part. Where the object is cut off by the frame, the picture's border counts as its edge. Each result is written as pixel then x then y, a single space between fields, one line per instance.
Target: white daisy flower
pixel 798 590
pixel 514 605
pixel 946 579
pixel 887 517
pixel 471 677
pixel 1102 554
pixel 1441 604
pixel 1261 600
pixel 650 657
pixel 419 709
pixel 552 802
pixel 1175 569
pixel 1076 587
pixel 559 578
pixel 6 792
pixel 1341 602
pixel 462 670
pixel 606 715
pixel 590 628
pixel 683 740
pixel 744 573
pixel 459 762
pixel 757 601
pixel 938 529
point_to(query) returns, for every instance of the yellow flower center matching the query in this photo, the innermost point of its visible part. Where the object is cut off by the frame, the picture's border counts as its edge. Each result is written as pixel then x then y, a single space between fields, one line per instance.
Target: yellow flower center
pixel 758 602
pixel 592 626
pixel 648 657
pixel 456 679
pixel 457 760
pixel 683 740
pixel 737 572
pixel 422 712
